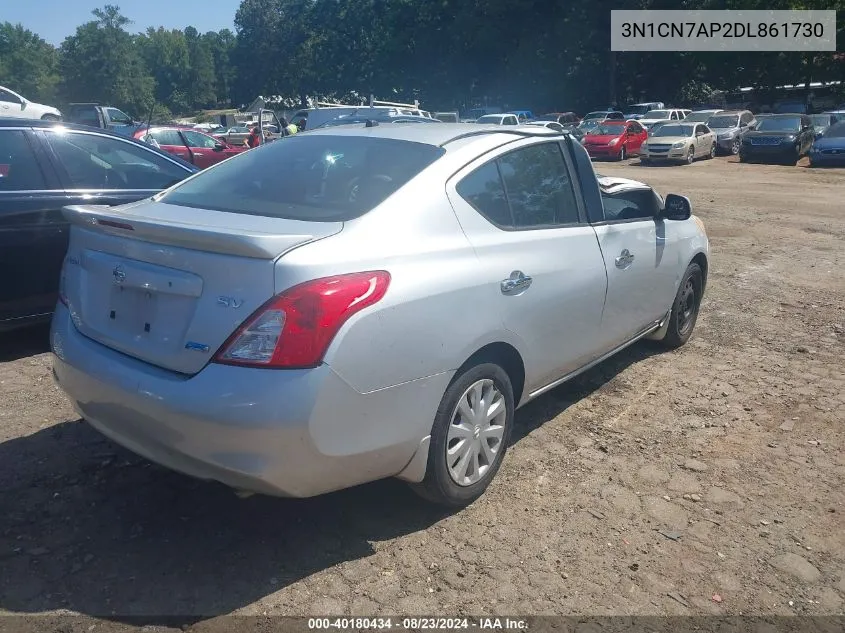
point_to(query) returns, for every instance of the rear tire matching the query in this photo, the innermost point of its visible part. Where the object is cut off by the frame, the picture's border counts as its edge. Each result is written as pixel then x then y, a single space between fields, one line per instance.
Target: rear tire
pixel 684 312
pixel 471 432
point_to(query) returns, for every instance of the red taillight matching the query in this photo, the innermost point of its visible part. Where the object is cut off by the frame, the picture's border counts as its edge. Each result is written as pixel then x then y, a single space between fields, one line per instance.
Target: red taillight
pixel 295 328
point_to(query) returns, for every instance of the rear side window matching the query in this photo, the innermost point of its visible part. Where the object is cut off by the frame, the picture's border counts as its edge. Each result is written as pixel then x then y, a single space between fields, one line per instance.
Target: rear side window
pixel 19 169
pixel 309 177
pixel 484 190
pixel 92 161
pixel 167 137
pixel 524 189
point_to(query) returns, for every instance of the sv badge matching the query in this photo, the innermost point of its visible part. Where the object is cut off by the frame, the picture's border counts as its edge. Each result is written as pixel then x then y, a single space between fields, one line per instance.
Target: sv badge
pixel 230 302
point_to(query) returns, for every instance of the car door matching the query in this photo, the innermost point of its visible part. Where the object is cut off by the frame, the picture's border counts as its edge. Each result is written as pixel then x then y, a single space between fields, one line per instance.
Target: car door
pixel 33 234
pixel 641 257
pixel 636 136
pixel 542 269
pixel 204 149
pixel 171 142
pixel 11 105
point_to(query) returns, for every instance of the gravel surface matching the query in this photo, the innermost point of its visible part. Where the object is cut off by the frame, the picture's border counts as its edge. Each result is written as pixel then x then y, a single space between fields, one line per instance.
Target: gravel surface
pixel 708 480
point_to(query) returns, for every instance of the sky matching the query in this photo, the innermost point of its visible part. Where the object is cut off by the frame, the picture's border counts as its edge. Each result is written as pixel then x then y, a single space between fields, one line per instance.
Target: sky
pixel 54 20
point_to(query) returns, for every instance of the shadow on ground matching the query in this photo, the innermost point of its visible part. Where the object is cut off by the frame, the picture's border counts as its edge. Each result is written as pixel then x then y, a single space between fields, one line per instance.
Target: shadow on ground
pixel 87 526
pixel 24 342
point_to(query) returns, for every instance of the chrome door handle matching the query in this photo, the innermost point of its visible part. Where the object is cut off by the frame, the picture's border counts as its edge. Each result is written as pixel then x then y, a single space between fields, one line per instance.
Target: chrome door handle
pixel 625 259
pixel 517 281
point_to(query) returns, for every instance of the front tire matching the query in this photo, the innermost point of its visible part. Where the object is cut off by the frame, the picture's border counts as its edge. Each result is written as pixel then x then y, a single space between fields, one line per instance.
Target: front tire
pixel 622 155
pixel 690 156
pixel 712 151
pixel 471 432
pixel 684 312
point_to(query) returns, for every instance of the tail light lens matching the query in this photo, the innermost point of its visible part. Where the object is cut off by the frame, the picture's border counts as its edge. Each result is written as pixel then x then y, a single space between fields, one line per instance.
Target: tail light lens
pixel 294 329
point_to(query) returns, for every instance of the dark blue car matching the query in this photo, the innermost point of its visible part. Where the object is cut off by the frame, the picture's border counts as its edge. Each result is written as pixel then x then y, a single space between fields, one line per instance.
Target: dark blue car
pixel 829 150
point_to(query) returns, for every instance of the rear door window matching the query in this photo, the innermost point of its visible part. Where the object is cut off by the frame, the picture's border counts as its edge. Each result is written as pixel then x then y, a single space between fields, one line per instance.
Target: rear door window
pixel 19 168
pixel 92 161
pixel 312 178
pixel 167 137
pixel 195 139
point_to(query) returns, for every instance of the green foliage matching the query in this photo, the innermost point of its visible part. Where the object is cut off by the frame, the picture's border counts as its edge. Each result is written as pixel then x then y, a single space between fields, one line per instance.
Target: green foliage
pixel 28 64
pixel 449 54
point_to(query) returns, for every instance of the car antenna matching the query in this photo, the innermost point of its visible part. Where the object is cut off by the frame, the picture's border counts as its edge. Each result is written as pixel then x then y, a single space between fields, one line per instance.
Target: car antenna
pixel 150 119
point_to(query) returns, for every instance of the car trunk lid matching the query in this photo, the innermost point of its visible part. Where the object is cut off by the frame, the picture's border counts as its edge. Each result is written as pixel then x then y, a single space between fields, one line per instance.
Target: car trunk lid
pixel 169 284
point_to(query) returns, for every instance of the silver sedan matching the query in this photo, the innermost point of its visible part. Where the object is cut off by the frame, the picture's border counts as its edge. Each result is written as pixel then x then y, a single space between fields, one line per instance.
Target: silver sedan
pixel 364 302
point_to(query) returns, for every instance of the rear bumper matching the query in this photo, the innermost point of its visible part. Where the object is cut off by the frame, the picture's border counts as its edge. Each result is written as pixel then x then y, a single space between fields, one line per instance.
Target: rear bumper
pixel 289 433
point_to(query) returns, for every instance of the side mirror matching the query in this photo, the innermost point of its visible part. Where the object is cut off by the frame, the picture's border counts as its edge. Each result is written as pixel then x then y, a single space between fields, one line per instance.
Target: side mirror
pixel 219 147
pixel 676 207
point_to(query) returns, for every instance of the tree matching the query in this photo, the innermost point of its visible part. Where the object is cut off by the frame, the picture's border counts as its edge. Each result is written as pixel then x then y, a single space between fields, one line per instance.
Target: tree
pixel 28 64
pixel 165 53
pixel 102 62
pixel 201 82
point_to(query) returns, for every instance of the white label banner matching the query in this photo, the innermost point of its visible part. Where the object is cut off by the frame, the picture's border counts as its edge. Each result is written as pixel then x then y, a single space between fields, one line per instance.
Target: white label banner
pixel 767 31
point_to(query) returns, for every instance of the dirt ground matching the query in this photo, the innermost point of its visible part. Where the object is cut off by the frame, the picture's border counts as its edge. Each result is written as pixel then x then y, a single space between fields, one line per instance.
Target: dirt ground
pixel 709 480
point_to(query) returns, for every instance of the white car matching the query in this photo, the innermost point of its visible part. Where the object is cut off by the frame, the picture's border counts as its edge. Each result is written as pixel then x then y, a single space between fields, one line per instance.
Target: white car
pixel 653 117
pixel 15 106
pixel 679 142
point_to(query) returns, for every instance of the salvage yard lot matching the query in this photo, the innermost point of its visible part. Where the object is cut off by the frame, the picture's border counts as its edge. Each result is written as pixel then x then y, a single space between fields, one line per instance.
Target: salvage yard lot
pixel 706 480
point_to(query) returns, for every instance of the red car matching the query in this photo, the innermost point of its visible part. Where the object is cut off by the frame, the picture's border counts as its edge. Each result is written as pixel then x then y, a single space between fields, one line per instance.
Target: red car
pixel 195 147
pixel 615 139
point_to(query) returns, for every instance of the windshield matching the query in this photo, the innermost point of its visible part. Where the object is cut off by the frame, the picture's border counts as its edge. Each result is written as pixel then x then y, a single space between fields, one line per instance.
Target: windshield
pixel 820 120
pixel 637 109
pixel 489 118
pixel 723 121
pixel 588 124
pixel 835 131
pixel 317 178
pixel 778 124
pixel 657 114
pixel 699 117
pixel 608 129
pixel 592 116
pixel 673 130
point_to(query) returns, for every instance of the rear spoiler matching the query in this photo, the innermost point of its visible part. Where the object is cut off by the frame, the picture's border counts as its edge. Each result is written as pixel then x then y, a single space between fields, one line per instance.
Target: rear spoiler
pixel 226 240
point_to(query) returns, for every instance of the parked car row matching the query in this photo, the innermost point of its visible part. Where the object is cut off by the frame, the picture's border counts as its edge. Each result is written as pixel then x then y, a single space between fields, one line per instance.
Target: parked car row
pixel 672 135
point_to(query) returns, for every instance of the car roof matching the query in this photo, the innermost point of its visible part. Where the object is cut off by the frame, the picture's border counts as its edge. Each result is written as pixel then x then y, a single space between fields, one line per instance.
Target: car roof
pixel 436 135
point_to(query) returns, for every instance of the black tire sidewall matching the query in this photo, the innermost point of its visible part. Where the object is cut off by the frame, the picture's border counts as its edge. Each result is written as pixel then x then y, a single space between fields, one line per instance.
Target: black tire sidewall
pixel 438 484
pixel 690 156
pixel 674 338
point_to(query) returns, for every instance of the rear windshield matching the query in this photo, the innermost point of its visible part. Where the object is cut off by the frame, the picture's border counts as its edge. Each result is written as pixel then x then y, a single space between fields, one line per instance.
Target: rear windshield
pixel 313 178
pixel 723 121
